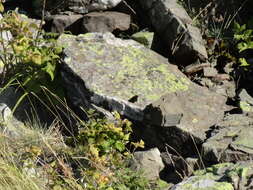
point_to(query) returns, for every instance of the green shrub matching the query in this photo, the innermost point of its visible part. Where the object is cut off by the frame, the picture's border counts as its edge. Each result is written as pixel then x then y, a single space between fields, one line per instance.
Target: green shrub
pixel 244 38
pixel 28 58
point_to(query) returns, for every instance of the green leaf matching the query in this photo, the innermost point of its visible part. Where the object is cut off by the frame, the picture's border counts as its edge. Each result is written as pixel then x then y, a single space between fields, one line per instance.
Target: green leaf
pixel 119 146
pixel 50 69
pixel 1 8
pixel 19 101
pixel 243 62
pixel 236 26
pixel 105 145
pixel 243 46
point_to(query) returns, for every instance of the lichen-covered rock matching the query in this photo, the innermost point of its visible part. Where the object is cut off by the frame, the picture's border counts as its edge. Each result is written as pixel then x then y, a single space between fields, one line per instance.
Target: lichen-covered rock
pixel 144 38
pixel 206 182
pixel 246 101
pixel 226 176
pixel 114 71
pixel 233 140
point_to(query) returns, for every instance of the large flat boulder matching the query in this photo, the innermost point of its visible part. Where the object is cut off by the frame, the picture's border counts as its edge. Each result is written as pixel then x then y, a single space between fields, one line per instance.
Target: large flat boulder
pixel 112 71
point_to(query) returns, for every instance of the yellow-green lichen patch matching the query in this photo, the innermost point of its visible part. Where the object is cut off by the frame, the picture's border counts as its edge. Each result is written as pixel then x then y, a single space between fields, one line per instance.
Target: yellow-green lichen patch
pixel 244 141
pixel 215 169
pixel 123 70
pixel 205 182
pixel 219 177
pixel 144 38
pixel 212 186
pixel 245 106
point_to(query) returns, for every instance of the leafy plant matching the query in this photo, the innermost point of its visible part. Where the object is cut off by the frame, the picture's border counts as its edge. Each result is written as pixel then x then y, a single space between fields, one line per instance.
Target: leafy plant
pixel 29 61
pixel 244 37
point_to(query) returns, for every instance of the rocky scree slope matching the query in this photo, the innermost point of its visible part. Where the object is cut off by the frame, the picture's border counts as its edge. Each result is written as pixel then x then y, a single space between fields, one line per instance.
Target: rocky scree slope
pixel 191 125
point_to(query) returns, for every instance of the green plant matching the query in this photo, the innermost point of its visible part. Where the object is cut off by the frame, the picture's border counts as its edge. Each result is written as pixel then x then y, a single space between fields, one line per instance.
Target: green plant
pixel 29 60
pixel 244 38
pixel 104 144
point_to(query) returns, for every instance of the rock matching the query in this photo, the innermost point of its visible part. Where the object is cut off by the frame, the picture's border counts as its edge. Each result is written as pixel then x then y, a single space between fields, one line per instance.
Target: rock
pixel 105 22
pixel 220 78
pixel 219 177
pixel 5 112
pixel 106 71
pixel 210 72
pixel 101 5
pixel 232 141
pixel 202 183
pixel 206 82
pixel 227 88
pixel 144 38
pixel 150 162
pixel 199 109
pixel 76 6
pixel 36 6
pixel 9 97
pixel 246 101
pixel 175 28
pixel 61 23
pixel 226 176
pixel 9 126
pixel 196 67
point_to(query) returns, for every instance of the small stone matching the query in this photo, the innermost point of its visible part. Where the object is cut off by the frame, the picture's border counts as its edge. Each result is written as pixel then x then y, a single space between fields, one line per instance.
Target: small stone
pixel 150 162
pixel 210 72
pixel 108 21
pixel 5 112
pixel 246 101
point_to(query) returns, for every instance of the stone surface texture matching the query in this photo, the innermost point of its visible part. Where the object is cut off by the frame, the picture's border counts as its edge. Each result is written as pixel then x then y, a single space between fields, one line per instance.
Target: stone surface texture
pixel 231 141
pixel 115 70
pixel 150 162
pixel 176 29
pixel 108 21
pixel 225 176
